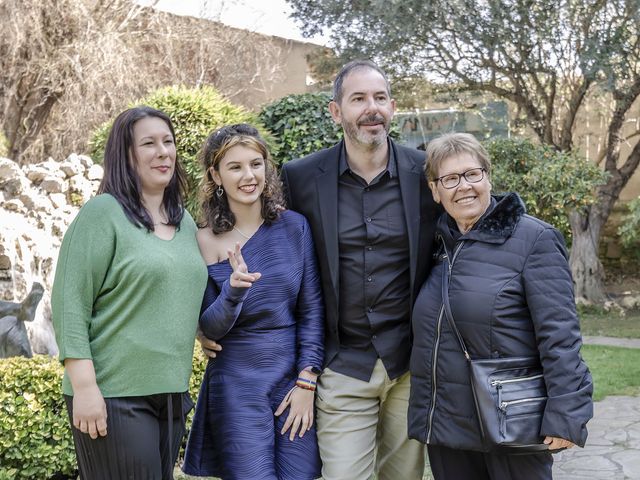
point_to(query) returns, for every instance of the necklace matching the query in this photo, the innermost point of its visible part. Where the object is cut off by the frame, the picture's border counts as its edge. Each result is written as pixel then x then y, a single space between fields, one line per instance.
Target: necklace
pixel 247 237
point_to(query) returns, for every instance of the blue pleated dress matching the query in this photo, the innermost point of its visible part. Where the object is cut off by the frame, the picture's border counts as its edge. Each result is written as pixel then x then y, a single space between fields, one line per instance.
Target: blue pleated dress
pixel 269 332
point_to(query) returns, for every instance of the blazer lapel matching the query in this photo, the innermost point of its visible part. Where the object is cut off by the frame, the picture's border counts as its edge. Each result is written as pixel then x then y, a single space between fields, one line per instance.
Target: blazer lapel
pixel 327 189
pixel 409 175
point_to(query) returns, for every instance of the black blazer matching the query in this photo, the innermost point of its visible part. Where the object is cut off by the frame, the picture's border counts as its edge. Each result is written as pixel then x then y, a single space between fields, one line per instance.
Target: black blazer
pixel 311 188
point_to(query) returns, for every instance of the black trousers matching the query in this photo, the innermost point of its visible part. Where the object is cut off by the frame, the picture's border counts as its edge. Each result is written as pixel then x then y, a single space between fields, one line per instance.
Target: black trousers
pixel 452 464
pixel 143 439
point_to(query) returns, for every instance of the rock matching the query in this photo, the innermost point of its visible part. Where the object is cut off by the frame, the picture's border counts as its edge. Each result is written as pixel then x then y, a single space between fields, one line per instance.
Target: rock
pixel 39 201
pixel 33 201
pixel 9 169
pixel 629 301
pixel 58 228
pixel 36 174
pixel 611 305
pixel 96 172
pixel 71 169
pixel 14 205
pixel 86 161
pixel 52 167
pixel 5 261
pixel 59 200
pixel 72 166
pixel 80 190
pixel 52 184
pixel 13 182
pixel 69 212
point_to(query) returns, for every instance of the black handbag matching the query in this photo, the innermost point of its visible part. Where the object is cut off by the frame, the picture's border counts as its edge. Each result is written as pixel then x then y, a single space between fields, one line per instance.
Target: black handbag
pixel 510 394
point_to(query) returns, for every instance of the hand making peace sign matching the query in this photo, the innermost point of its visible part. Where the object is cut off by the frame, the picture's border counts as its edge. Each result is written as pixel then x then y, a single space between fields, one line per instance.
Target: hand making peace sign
pixel 240 277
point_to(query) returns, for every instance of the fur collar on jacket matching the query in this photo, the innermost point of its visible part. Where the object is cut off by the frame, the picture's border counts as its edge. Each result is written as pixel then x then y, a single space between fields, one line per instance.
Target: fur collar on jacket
pixel 497 223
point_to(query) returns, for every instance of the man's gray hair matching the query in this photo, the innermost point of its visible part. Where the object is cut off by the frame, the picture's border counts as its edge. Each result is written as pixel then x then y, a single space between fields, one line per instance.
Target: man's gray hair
pixel 351 67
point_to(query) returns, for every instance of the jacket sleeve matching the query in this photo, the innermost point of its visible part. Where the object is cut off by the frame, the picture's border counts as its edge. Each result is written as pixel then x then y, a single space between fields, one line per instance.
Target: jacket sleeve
pixel 220 310
pixel 86 253
pixel 310 309
pixel 284 177
pixel 549 292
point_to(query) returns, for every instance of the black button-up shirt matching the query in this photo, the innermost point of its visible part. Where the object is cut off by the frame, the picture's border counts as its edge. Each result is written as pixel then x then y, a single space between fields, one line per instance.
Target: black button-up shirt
pixel 374 273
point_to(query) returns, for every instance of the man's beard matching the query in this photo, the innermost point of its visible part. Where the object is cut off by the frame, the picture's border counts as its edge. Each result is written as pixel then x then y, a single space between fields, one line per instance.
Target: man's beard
pixel 365 139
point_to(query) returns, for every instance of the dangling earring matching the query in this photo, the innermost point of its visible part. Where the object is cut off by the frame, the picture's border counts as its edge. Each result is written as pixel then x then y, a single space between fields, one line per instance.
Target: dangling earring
pixel 219 191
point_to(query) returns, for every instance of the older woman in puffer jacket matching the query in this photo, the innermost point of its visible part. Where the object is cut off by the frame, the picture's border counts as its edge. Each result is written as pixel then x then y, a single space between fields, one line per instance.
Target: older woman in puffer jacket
pixel 511 295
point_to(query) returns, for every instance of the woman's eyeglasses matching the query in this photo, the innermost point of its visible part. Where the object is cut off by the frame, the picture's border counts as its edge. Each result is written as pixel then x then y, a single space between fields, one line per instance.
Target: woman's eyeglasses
pixel 452 180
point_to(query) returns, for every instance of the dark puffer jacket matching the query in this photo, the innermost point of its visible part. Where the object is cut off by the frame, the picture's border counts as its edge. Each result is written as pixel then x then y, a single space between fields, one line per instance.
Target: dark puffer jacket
pixel 511 295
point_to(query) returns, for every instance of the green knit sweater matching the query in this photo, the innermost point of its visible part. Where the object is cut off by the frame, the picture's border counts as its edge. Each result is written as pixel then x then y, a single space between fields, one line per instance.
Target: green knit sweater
pixel 128 300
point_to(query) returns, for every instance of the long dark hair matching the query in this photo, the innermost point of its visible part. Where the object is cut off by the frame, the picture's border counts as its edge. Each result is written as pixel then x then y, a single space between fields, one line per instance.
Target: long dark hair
pixel 121 179
pixel 215 209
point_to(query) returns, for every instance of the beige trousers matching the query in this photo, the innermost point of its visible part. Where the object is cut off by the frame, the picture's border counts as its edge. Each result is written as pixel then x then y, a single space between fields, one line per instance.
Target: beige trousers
pixel 362 428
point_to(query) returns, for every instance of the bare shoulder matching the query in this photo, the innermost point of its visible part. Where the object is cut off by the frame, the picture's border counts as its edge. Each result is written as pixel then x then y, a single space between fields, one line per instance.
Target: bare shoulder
pixel 211 247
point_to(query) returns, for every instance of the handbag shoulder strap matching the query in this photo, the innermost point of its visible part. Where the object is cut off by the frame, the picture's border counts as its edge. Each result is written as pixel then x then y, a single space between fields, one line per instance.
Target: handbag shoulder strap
pixel 446 273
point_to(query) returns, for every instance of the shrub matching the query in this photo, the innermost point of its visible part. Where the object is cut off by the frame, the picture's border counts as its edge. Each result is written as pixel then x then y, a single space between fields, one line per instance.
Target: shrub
pixel 195 112
pixel 551 183
pixel 35 437
pixel 302 124
pixel 629 230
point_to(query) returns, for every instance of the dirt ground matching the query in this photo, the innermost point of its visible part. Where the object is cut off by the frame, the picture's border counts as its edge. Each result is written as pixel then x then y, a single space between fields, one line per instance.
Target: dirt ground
pixel 622 284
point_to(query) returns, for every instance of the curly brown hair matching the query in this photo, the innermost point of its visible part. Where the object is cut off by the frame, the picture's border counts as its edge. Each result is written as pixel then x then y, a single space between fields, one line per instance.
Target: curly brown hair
pixel 216 213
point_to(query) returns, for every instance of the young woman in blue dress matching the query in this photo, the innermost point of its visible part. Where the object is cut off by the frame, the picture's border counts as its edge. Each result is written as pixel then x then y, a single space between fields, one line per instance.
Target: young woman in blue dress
pixel 255 416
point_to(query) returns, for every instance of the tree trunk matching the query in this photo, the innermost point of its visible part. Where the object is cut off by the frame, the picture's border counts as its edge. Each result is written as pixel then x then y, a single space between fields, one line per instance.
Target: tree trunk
pixel 25 114
pixel 587 270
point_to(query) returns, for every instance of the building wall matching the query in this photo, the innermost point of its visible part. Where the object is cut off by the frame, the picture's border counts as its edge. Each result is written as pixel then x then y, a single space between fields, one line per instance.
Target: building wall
pixel 589 138
pixel 248 68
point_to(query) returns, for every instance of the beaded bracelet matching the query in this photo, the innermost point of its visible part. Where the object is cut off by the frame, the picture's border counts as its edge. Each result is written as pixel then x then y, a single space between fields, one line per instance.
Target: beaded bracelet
pixel 306 384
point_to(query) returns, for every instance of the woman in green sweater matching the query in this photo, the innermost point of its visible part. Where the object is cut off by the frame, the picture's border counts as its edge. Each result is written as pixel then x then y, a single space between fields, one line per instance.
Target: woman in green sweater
pixel 126 299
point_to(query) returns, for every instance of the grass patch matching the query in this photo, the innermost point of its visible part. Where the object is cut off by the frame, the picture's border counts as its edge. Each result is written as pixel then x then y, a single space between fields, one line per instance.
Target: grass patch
pixel 597 322
pixel 615 370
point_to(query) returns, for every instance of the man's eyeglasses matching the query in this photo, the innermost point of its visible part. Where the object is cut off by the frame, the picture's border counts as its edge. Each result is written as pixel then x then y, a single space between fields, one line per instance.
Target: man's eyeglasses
pixel 452 180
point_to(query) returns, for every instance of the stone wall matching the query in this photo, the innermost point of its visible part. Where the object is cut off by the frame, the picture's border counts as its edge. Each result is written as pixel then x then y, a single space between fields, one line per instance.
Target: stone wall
pixel 37 204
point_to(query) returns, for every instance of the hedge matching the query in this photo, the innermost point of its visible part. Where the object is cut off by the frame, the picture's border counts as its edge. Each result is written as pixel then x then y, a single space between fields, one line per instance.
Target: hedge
pixel 35 436
pixel 302 124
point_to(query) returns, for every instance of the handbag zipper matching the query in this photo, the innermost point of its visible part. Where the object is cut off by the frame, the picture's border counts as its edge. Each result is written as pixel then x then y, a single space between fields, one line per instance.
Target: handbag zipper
pixel 499 383
pixel 435 349
pixel 504 405
pixel 514 380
